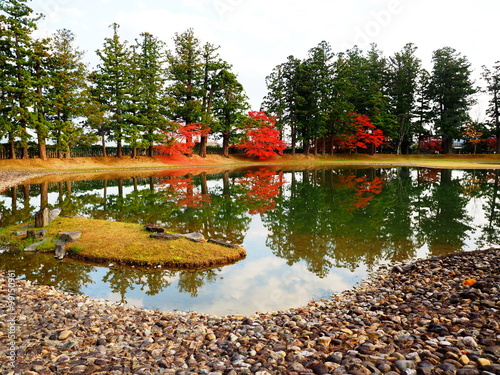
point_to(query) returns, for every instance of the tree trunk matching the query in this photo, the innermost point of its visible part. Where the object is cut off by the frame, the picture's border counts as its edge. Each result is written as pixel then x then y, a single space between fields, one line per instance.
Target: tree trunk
pixel 103 144
pixel 119 149
pixel 42 147
pixel 203 146
pixel 151 151
pixel 225 144
pixel 134 152
pixel 44 195
pixel 447 145
pixel 12 148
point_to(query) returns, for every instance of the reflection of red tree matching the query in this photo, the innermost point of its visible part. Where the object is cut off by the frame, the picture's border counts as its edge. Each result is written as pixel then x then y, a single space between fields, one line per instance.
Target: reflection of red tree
pixel 367 190
pixel 429 176
pixel 263 187
pixel 182 191
pixel 364 189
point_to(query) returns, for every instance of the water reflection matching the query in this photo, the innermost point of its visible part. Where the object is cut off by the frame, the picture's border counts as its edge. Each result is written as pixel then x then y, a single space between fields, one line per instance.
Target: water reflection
pixel 308 233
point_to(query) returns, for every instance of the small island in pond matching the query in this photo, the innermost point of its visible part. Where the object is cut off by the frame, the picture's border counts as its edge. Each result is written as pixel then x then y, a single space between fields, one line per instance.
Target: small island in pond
pixel 127 244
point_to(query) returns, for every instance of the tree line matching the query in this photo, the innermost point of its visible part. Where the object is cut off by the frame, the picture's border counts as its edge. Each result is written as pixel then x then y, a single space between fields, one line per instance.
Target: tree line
pixel 143 94
pixel 312 98
pixel 140 94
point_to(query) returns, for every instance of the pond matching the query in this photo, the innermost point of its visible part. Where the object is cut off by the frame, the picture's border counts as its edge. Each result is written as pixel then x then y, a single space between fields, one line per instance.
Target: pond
pixel 308 233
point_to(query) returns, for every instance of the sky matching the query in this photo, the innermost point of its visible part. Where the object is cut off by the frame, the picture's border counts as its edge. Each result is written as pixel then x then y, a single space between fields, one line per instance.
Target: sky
pixel 256 35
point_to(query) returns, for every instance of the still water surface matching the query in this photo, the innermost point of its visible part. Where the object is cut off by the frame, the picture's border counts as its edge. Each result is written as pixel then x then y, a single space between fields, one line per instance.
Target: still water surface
pixel 308 233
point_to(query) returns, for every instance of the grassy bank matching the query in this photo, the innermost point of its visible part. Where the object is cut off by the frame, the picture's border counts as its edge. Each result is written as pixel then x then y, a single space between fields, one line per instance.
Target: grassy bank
pixel 130 244
pixel 126 163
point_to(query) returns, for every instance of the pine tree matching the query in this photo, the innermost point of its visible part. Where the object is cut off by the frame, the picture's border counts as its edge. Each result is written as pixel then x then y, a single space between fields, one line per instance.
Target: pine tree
pixel 151 111
pixel 213 66
pixel 185 71
pixel 451 91
pixel 492 78
pixel 230 103
pixel 16 27
pixel 66 95
pixel 111 86
pixel 404 70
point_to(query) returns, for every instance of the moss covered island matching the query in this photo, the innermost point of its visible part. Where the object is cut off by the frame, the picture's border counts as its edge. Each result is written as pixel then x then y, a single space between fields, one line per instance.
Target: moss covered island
pixel 130 244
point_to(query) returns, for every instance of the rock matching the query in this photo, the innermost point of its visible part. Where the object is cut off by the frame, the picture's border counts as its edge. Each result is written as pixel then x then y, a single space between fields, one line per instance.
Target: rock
pixel 64 335
pixel 19 233
pixel 469 341
pixel 34 247
pixel 54 214
pixel 468 371
pixel 60 251
pixel 222 243
pixel 42 218
pixel 164 236
pixel 155 228
pixel 195 237
pixel 70 236
pixel 403 365
pixel 494 350
pixel 483 362
pixel 464 360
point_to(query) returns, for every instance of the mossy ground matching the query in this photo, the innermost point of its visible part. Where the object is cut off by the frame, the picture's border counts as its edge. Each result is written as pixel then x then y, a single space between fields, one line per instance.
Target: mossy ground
pixel 130 244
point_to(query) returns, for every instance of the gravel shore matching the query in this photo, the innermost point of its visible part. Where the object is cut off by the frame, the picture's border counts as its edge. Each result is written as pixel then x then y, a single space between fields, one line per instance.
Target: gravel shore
pixel 436 316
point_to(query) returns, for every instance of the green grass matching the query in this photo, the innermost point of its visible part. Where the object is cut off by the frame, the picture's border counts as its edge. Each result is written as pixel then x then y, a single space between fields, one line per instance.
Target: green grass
pixel 130 244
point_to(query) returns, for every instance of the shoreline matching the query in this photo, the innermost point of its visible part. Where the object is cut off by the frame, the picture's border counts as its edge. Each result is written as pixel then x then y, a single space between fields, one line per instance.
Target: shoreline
pixel 17 171
pixel 422 317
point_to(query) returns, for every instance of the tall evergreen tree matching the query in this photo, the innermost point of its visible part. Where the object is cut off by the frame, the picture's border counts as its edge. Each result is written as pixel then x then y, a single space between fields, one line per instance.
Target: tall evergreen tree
pixel 151 110
pixel 112 85
pixel 16 27
pixel 185 72
pixel 66 94
pixel 229 105
pixel 41 81
pixel 451 91
pixel 492 78
pixel 213 66
pixel 404 70
pixel 282 99
pixel 423 103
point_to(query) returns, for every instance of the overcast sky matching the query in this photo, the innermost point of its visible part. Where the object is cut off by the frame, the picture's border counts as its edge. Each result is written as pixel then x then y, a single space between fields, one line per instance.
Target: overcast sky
pixel 257 35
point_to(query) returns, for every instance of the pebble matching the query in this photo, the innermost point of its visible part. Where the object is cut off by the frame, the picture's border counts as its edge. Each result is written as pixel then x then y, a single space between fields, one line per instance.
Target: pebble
pixel 407 319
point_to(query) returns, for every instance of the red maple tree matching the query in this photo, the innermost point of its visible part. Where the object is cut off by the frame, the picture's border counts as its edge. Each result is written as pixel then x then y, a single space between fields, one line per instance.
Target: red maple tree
pixel 362 133
pixel 182 140
pixel 262 139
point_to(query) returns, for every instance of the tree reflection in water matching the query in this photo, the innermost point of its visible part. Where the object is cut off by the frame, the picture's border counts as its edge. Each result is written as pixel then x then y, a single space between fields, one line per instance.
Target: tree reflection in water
pixel 326 219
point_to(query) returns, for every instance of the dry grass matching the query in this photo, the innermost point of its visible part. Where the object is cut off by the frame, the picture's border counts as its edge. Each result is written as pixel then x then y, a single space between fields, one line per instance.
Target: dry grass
pixel 129 244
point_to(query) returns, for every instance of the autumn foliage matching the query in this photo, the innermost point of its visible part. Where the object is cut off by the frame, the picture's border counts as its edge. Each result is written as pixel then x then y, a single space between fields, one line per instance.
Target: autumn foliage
pixel 263 187
pixel 262 139
pixel 182 140
pixel 361 133
pixel 183 192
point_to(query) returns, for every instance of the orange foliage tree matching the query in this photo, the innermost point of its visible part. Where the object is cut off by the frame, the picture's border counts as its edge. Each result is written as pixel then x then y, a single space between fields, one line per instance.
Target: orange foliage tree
pixel 262 139
pixel 360 133
pixel 182 140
